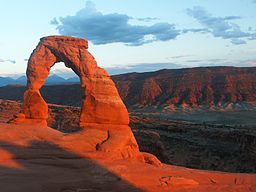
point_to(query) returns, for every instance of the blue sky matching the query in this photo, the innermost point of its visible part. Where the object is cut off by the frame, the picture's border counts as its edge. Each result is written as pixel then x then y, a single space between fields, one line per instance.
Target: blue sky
pixel 132 35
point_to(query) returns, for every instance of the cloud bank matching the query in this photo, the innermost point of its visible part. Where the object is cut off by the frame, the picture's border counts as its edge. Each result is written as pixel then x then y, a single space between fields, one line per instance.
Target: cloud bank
pixel 102 28
pixel 221 27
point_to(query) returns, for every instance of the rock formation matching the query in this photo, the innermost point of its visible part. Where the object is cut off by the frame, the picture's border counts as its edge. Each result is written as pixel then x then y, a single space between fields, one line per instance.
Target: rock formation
pixel 214 86
pixel 103 114
pixel 101 102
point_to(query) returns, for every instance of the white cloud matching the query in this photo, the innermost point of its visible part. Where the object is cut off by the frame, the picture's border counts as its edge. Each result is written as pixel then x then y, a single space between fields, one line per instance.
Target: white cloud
pixel 222 27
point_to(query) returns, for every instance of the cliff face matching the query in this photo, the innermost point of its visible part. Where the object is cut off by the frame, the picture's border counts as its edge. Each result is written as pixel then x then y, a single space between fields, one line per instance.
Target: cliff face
pixel 181 87
pixel 192 86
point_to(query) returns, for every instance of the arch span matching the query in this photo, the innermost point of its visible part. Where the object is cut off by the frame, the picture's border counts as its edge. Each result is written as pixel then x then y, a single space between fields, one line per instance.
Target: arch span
pixel 101 101
pixel 103 113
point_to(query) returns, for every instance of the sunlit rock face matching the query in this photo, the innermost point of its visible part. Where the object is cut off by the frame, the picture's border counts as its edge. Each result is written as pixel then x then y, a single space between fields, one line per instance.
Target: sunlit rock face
pixel 101 102
pixel 103 116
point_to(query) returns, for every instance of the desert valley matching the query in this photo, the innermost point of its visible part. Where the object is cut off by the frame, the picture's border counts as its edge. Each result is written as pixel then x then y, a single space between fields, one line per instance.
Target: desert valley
pixel 128 96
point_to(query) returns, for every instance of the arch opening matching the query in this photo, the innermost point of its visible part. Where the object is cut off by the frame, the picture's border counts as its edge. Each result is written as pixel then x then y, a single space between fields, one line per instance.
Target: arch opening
pixel 62 71
pixel 64 81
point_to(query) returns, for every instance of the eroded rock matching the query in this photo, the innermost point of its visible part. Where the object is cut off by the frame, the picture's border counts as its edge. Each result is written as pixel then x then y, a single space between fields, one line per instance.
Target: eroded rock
pixel 103 114
pixel 101 101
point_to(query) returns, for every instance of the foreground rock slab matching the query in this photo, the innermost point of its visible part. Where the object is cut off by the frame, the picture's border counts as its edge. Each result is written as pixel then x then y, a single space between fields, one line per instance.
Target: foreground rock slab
pixel 36 159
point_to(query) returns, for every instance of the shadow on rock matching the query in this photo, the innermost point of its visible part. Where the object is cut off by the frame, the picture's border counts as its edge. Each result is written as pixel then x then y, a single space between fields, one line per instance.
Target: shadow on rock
pixel 45 167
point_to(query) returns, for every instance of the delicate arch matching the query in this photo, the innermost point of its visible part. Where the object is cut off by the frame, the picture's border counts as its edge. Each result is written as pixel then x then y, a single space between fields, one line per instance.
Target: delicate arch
pixel 101 101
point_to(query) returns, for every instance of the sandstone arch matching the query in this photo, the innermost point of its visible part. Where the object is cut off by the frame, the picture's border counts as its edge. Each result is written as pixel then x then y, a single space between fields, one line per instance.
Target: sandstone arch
pixel 103 113
pixel 101 101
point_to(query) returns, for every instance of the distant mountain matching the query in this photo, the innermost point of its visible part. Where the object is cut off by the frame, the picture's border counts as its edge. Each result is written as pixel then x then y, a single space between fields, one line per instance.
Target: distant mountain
pixel 73 80
pixel 212 86
pixel 21 80
pixel 54 79
pixel 6 80
pixel 51 80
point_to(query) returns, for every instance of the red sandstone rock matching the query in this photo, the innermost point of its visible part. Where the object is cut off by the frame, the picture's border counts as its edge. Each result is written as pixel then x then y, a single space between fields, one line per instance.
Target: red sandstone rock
pixel 43 159
pixel 34 105
pixel 192 86
pixel 103 114
pixel 101 101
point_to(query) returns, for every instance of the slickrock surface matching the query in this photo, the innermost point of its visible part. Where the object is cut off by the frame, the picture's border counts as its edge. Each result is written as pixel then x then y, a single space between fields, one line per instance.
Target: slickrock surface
pixel 42 159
